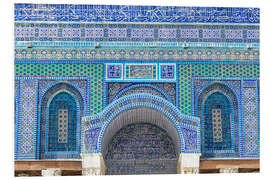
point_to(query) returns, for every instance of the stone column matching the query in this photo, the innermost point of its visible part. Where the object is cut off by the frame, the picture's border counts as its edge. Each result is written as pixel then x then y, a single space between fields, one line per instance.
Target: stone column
pixel 228 169
pixel 188 163
pixel 51 172
pixel 93 164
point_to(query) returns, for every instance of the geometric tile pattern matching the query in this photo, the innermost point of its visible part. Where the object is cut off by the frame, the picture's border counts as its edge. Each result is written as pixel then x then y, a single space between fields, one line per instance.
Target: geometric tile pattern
pixel 253 34
pixel 251 121
pixel 217 128
pixel 136 33
pixel 96 88
pixel 27 117
pixel 16 115
pixel 113 13
pixel 168 54
pixel 62 125
pixel 57 70
pixel 167 71
pixel 234 34
pixel 186 71
pixel 114 71
pixel 211 34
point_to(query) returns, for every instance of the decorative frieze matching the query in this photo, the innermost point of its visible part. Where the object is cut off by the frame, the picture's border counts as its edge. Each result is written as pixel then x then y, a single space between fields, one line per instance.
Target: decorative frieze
pixel 131 13
pixel 121 54
pixel 25 31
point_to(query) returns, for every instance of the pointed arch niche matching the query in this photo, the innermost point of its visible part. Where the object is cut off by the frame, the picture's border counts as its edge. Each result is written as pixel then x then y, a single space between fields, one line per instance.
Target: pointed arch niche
pixel 60 122
pixel 218 108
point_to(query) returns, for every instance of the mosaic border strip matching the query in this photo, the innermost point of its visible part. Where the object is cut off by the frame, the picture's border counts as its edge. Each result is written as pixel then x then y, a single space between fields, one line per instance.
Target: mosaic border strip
pixel 131 45
pixel 251 132
pixel 26 123
pixel 136 32
pixel 113 13
pixel 161 54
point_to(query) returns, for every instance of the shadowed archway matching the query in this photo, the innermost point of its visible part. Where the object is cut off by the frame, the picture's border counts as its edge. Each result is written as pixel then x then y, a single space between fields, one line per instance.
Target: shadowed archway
pixel 141 141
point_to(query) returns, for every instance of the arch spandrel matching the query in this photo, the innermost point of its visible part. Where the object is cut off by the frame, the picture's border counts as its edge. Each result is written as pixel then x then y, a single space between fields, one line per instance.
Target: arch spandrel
pixel 186 128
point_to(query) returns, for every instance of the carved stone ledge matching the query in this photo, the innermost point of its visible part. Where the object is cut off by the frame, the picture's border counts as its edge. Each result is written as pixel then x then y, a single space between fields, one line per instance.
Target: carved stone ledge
pixel 92 172
pixel 51 172
pixel 22 175
pixel 229 170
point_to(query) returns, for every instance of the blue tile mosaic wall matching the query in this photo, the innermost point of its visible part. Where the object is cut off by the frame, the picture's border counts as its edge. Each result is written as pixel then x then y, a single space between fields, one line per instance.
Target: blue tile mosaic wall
pixel 102 53
pixel 116 13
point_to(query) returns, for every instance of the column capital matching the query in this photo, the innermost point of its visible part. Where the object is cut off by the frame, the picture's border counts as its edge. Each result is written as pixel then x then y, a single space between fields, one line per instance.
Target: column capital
pixel 190 171
pixel 189 163
pixel 93 164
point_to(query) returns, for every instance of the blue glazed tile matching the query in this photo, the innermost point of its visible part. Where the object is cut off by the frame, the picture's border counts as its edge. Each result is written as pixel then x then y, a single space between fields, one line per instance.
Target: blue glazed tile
pixel 152 13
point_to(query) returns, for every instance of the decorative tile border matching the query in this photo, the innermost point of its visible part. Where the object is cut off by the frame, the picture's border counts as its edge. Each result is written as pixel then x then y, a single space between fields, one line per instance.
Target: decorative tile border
pixel 114 71
pixel 161 54
pixel 131 45
pixel 121 13
pixel 167 71
pixel 134 55
pixel 136 32
pixel 26 122
pixel 251 118
pixel 141 71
